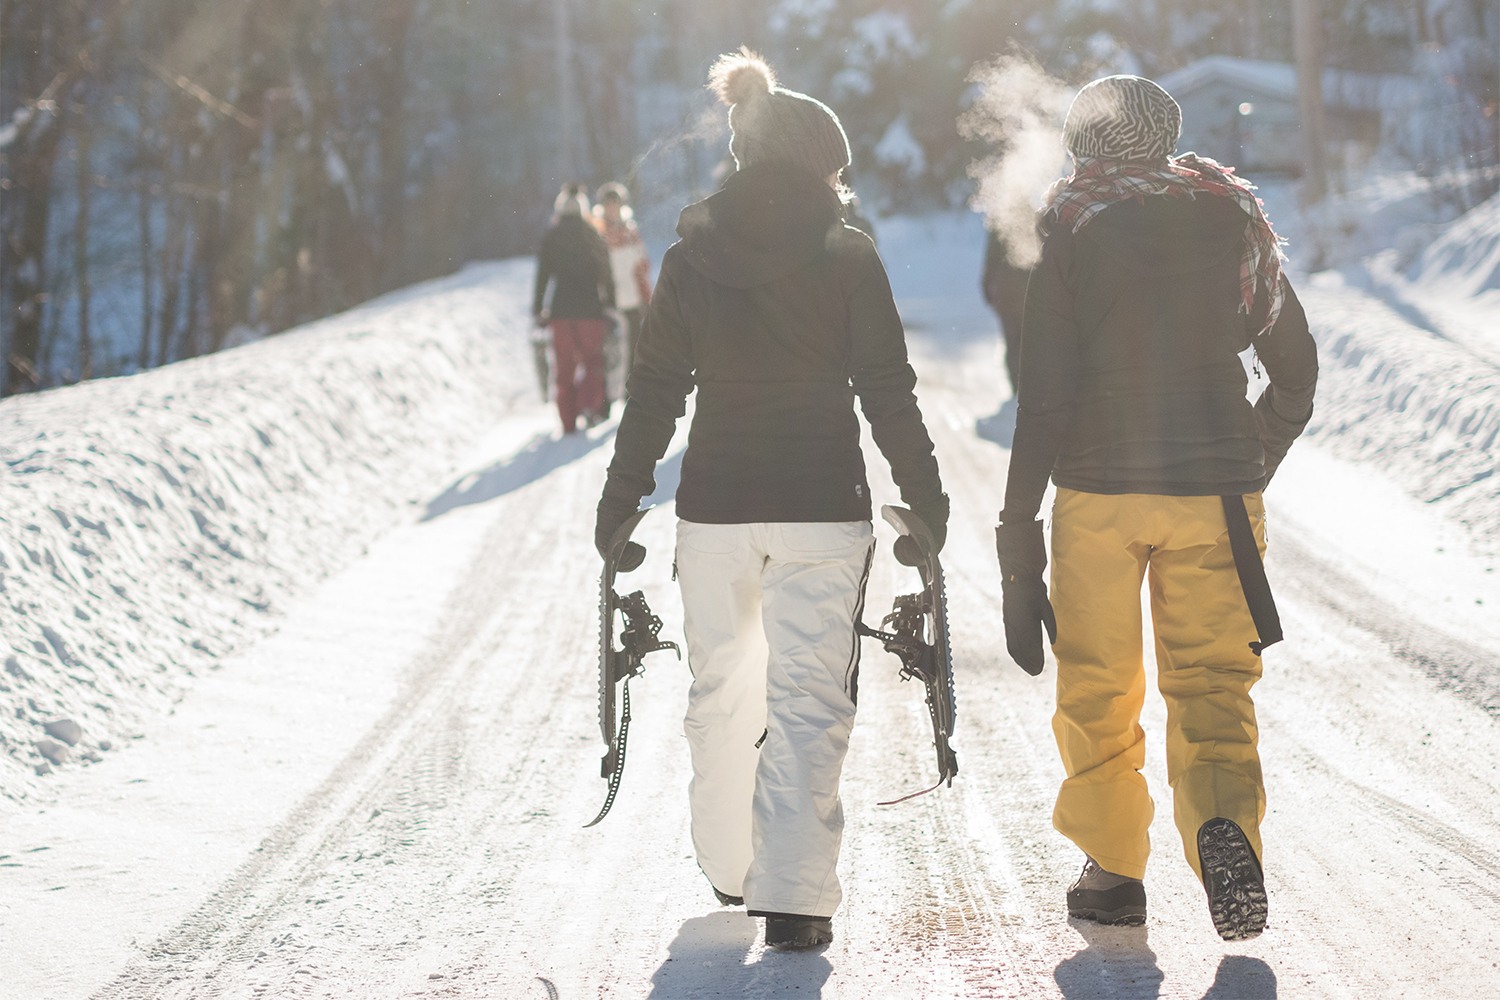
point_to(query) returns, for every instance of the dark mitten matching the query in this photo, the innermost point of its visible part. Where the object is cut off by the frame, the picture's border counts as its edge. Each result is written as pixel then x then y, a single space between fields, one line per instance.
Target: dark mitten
pixel 611 514
pixel 1024 604
pixel 934 514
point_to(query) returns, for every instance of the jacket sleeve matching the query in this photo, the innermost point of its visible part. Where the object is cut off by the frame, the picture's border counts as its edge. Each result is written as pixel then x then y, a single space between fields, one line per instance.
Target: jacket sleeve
pixel 1291 359
pixel 885 383
pixel 656 393
pixel 1048 380
pixel 543 276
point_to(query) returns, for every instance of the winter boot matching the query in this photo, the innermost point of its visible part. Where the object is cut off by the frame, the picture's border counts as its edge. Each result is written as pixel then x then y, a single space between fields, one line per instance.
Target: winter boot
pixel 725 899
pixel 1107 898
pixel 790 932
pixel 1233 879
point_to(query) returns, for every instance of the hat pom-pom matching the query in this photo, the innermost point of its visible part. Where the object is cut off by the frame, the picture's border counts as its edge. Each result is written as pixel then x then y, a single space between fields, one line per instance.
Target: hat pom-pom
pixel 737 77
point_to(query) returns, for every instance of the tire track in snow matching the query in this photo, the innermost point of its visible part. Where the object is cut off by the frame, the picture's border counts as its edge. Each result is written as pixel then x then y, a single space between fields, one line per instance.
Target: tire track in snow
pixel 1467 670
pixel 388 790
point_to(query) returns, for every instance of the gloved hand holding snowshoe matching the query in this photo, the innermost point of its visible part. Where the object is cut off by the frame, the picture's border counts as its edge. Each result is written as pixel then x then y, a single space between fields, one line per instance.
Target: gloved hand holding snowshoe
pixel 934 514
pixel 1024 604
pixel 612 513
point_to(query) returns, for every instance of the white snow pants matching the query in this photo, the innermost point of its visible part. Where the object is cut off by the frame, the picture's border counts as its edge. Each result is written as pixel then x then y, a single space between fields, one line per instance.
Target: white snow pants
pixel 769 613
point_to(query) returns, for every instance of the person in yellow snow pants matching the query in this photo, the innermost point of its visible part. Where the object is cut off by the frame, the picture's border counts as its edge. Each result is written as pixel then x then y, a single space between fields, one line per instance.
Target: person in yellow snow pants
pixel 1159 273
pixel 1103 548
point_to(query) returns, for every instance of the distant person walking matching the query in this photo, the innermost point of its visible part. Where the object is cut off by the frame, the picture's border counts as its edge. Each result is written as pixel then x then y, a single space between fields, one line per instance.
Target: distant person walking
pixel 1156 272
pixel 1003 284
pixel 631 268
pixel 574 262
pixel 780 316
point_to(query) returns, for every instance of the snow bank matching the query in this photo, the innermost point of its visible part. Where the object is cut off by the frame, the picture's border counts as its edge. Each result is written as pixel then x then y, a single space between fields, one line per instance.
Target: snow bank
pixel 1447 278
pixel 1422 408
pixel 1410 372
pixel 150 524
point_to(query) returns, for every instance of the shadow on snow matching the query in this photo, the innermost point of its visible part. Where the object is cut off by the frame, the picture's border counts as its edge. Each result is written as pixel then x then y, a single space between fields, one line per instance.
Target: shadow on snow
pixel 1117 963
pixel 543 454
pixel 707 959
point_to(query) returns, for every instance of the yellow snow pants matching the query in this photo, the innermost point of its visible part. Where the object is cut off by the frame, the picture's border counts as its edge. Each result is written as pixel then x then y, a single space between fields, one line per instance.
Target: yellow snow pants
pixel 1103 547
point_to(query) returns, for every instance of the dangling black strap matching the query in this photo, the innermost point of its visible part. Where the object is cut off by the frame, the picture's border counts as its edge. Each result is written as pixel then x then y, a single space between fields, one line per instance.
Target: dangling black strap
pixel 1252 573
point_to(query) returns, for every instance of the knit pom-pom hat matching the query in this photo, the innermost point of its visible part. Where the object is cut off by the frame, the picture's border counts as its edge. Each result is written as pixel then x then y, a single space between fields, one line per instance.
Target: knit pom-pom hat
pixel 770 123
pixel 1122 118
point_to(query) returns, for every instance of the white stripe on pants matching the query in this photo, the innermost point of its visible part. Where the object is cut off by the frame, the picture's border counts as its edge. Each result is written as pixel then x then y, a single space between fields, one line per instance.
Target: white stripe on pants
pixel 769 612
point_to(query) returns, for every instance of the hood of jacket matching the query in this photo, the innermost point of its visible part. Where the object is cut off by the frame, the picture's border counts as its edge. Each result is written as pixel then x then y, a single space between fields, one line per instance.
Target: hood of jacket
pixel 1162 235
pixel 764 223
pixel 576 240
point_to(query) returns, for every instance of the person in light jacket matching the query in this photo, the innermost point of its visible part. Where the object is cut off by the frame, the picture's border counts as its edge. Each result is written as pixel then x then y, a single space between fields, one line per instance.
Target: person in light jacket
pixel 631 268
pixel 781 318
pixel 1157 272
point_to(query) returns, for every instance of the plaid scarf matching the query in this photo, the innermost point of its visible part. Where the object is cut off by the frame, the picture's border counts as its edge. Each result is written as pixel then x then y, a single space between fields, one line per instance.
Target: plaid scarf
pixel 1097 184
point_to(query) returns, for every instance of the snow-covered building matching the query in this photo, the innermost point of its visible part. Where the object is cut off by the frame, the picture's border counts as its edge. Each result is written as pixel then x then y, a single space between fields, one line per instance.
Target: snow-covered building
pixel 1245 112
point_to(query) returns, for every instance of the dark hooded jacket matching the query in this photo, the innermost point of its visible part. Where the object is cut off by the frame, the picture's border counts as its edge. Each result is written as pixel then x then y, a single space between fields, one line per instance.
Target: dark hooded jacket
pixel 574 259
pixel 779 315
pixel 1131 380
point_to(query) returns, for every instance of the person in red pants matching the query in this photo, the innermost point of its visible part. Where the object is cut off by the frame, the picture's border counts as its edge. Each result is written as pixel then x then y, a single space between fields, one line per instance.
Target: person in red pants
pixel 574 262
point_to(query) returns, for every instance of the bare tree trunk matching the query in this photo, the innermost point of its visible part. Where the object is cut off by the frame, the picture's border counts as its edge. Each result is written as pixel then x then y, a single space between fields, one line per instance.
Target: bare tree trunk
pixel 85 185
pixel 393 26
pixel 173 263
pixel 143 205
pixel 25 259
pixel 1307 38
pixel 567 92
pixel 40 38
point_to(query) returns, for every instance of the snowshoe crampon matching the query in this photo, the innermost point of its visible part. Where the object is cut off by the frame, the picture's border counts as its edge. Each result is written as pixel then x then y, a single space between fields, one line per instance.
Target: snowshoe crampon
pixel 638 635
pixel 916 630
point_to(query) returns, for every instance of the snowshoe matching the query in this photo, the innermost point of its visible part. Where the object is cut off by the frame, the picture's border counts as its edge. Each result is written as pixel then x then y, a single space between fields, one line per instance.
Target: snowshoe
pixel 638 636
pixel 916 630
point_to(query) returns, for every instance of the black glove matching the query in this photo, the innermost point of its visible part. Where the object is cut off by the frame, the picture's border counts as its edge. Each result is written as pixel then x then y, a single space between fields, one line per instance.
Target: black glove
pixel 934 514
pixel 1024 603
pixel 611 514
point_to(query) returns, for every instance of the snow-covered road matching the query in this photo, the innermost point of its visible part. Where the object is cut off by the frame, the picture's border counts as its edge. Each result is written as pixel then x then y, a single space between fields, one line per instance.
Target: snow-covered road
pixel 387 797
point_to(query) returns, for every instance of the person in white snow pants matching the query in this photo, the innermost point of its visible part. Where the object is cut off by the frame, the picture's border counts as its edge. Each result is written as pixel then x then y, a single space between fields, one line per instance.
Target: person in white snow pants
pixel 779 317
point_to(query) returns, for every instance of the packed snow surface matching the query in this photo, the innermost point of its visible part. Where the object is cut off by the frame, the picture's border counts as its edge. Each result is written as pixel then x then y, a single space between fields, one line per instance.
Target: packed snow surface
pixel 301 638
pixel 155 522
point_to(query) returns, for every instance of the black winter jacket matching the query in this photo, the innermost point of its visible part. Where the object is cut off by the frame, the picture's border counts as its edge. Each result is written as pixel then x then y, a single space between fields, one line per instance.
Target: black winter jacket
pixel 1130 375
pixel 779 315
pixel 574 255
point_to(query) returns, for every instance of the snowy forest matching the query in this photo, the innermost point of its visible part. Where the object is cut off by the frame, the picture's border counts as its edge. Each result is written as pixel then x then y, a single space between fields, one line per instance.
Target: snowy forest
pixel 177 176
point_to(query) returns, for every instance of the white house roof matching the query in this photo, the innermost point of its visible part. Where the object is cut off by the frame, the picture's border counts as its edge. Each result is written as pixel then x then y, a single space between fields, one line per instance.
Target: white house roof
pixel 1341 89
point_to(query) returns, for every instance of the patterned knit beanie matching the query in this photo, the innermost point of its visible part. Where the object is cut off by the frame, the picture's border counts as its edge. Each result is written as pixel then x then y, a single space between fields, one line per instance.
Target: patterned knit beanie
pixel 770 123
pixel 1122 118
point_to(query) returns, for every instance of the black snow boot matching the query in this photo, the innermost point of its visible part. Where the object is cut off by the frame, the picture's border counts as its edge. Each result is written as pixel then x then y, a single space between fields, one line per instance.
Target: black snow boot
pixel 1233 879
pixel 725 899
pixel 1107 898
pixel 790 932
